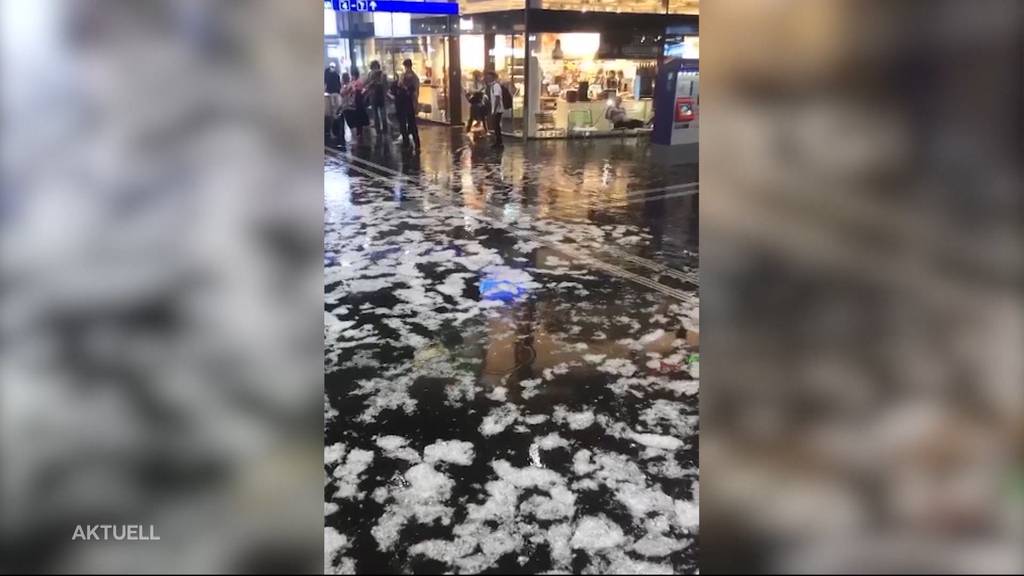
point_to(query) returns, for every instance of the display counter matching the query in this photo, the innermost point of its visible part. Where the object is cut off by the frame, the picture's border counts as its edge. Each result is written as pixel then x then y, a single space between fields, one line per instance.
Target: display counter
pixel 557 114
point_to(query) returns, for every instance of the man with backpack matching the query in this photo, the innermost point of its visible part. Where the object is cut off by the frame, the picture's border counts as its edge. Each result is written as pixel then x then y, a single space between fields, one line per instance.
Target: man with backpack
pixel 498 98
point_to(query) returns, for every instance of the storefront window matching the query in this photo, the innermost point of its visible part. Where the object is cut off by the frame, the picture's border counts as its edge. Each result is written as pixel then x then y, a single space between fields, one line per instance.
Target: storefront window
pixel 473 60
pixel 575 86
pixel 397 37
pixel 687 47
pixel 431 63
pixel 684 7
pixel 330 22
pixel 472 54
pixel 506 55
pixel 509 56
pixel 336 50
pixel 619 6
pixel 480 6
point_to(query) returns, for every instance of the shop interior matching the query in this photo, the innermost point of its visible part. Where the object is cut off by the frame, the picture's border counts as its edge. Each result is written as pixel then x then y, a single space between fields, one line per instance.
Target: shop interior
pixel 575 85
pixel 573 76
pixel 637 6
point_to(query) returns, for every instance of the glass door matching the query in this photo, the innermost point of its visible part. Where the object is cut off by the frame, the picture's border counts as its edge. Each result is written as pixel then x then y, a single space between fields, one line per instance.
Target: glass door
pixel 509 54
pixel 432 68
pixel 472 61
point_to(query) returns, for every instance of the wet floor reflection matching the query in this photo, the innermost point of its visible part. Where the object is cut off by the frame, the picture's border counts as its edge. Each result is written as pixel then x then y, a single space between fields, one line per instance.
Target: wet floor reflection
pixel 608 181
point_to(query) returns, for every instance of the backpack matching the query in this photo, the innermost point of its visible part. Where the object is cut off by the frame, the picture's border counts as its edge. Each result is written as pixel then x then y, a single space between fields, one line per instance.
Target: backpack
pixel 506 98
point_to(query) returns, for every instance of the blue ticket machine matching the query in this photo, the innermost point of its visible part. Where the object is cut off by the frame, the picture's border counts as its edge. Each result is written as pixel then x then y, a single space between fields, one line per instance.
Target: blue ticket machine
pixel 677 103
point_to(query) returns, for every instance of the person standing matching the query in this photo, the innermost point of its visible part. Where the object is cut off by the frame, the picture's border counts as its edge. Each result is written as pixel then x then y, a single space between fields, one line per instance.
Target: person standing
pixel 376 89
pixel 475 97
pixel 403 107
pixel 410 87
pixel 332 87
pixel 332 80
pixel 612 81
pixel 348 103
pixel 495 104
pixel 360 115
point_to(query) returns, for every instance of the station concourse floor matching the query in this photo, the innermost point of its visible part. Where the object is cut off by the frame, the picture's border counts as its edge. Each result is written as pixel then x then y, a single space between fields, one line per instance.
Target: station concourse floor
pixel 511 356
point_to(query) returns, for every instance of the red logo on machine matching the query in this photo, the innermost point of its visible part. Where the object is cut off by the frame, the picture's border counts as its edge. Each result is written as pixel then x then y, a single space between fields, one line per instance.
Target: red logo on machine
pixel 685 111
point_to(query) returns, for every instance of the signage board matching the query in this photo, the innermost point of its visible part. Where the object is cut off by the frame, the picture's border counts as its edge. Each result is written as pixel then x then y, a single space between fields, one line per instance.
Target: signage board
pixel 395 6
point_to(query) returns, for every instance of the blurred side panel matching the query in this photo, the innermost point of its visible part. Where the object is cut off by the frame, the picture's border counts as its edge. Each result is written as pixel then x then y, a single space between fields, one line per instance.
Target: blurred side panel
pixel 161 287
pixel 862 402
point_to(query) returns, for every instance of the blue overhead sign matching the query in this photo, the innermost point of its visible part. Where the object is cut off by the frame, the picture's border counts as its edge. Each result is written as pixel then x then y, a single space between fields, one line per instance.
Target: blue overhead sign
pixel 395 6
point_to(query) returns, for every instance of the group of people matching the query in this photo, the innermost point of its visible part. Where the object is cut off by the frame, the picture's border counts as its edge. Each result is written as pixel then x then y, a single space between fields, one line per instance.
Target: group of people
pixel 488 100
pixel 353 102
pixel 612 80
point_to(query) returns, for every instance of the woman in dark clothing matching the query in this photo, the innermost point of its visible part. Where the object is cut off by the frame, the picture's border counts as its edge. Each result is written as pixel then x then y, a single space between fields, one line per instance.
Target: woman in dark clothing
pixel 406 97
pixel 360 117
pixel 477 113
pixel 475 96
pixel 348 103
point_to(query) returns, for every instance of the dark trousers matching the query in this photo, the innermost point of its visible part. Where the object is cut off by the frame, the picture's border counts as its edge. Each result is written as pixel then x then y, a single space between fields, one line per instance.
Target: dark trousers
pixel 496 126
pixel 380 118
pixel 629 124
pixel 407 124
pixel 338 128
pixel 356 119
pixel 476 114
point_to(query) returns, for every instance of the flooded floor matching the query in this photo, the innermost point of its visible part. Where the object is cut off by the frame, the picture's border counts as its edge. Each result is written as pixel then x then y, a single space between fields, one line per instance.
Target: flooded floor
pixel 511 357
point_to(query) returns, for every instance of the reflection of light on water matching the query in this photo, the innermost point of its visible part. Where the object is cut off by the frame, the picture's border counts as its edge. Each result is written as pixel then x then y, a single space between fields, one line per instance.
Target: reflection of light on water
pixel 498 289
pixel 337 190
pixel 535 455
pixel 511 212
pixel 504 283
